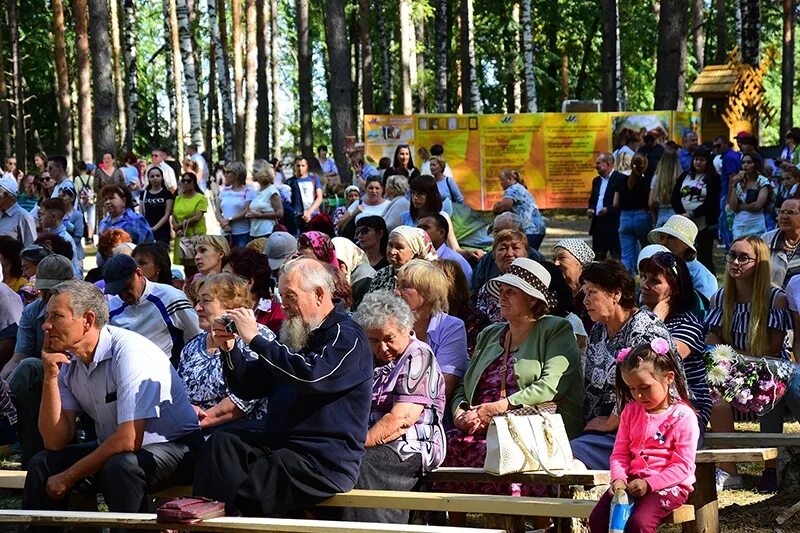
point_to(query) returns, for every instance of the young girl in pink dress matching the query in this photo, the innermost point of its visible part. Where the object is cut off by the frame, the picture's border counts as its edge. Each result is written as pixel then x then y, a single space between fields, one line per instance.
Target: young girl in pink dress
pixel 654 452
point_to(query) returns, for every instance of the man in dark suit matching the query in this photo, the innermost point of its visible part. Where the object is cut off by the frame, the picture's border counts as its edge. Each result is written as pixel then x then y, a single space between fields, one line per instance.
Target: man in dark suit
pixel 605 218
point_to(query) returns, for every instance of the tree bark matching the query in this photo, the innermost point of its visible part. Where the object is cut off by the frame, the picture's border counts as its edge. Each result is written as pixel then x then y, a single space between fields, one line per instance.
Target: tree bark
pixel 406 29
pixel 608 59
pixel 339 90
pixel 751 31
pixel 191 7
pixel 387 86
pixel 131 72
pixel 177 77
pixel 721 25
pixel 587 52
pixel 469 76
pixel 304 77
pixel 105 104
pixel 364 24
pixel 273 60
pixel 119 85
pixel 251 108
pixel 698 37
pixel 262 122
pixel 787 66
pixel 238 77
pixel 671 55
pixel 5 114
pixel 422 95
pixel 528 58
pixel 216 25
pixel 84 83
pixel 189 72
pixel 62 78
pixel 440 57
pixel 211 113
pixel 20 135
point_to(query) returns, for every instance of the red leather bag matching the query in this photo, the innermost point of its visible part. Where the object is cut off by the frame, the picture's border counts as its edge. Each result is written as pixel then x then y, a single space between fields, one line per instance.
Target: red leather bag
pixel 189 510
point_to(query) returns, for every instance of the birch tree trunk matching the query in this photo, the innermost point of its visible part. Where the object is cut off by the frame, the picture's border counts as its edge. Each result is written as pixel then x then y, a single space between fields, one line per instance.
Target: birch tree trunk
pixel 721 26
pixel 217 21
pixel 527 58
pixel 262 122
pixel 189 73
pixel 608 56
pixel 273 60
pixel 169 78
pixel 238 77
pixel 105 103
pixel 119 86
pixel 671 55
pixel 751 31
pixel 787 66
pixel 405 55
pixel 191 7
pixel 211 113
pixel 5 114
pixel 129 54
pixel 471 97
pixel 440 57
pixel 84 82
pixel 304 77
pixel 62 79
pixel 340 87
pixel 367 91
pixel 177 76
pixel 20 135
pixel 252 96
pixel 387 86
pixel 698 37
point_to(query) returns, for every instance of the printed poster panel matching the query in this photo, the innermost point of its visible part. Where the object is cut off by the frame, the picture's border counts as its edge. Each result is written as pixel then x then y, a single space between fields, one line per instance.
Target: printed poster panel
pixel 572 142
pixel 382 134
pixel 656 123
pixel 683 122
pixel 516 142
pixel 459 136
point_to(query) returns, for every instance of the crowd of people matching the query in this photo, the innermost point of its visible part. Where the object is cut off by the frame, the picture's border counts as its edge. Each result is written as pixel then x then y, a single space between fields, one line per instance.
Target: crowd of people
pixel 331 336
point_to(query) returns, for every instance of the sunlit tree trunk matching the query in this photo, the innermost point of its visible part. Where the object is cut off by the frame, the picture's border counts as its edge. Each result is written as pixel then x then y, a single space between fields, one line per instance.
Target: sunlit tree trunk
pixel 671 55
pixel 367 91
pixel 191 7
pixel 20 136
pixel 129 53
pixel 238 77
pixel 62 79
pixel 528 58
pixel 105 103
pixel 698 38
pixel 189 73
pixel 252 96
pixel 339 92
pixel 216 24
pixel 471 97
pixel 304 77
pixel 211 114
pixel 262 81
pixel 273 63
pixel 406 28
pixel 177 77
pixel 84 81
pixel 119 85
pixel 441 46
pixel 787 66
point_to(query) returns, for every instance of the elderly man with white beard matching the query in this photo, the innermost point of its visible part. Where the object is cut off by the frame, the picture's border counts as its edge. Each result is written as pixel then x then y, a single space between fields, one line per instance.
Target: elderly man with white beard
pixel 318 383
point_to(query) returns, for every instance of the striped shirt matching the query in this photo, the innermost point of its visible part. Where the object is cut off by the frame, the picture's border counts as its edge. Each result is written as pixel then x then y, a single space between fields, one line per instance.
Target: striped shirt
pixel 686 328
pixel 163 314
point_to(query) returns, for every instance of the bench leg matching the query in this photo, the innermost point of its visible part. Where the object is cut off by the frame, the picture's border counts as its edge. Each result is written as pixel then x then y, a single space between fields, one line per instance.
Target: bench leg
pixel 704 499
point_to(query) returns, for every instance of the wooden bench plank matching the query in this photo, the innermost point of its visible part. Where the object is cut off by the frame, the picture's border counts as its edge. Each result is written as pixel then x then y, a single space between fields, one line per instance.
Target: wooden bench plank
pixel 12 479
pixel 478 475
pixel 736 455
pixel 228 523
pixel 750 439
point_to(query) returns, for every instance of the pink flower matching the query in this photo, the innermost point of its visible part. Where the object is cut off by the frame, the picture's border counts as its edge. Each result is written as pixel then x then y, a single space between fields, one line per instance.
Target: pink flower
pixel 659 346
pixel 622 354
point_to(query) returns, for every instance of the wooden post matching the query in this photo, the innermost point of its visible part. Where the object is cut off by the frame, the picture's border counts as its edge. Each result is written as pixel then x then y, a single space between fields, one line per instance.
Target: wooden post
pixel 704 499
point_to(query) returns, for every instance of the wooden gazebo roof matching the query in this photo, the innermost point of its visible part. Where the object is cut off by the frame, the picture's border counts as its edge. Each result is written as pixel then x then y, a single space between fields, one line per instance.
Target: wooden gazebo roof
pixel 715 80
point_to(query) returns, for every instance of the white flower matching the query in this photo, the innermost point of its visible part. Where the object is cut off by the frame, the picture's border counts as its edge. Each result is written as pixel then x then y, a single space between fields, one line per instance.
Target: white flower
pixel 717 375
pixel 721 352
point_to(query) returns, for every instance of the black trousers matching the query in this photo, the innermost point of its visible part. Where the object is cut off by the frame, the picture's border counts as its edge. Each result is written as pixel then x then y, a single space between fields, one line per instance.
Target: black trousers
pixel 124 480
pixel 705 248
pixel 254 480
pixel 605 239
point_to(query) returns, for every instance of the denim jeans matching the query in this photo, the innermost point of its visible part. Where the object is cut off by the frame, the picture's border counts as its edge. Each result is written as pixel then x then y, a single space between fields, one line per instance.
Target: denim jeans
pixel 772 422
pixel 663 215
pixel 725 233
pixel 633 229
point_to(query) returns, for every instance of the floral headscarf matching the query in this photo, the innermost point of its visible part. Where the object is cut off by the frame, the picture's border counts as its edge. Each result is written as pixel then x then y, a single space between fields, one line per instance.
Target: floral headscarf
pixel 349 254
pixel 321 245
pixel 418 240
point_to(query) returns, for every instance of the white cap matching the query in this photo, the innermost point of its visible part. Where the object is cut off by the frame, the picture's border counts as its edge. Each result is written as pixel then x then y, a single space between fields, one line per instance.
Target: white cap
pixel 649 251
pixel 8 183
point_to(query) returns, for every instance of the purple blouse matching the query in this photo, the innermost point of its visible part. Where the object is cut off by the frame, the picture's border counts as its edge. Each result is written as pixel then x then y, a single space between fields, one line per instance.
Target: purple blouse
pixel 447 337
pixel 413 378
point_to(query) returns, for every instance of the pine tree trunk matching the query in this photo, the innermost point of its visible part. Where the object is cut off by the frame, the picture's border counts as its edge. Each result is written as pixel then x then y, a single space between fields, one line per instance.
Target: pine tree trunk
pixel 441 46
pixel 177 77
pixel 787 66
pixel 5 113
pixel 469 76
pixel 751 31
pixel 262 122
pixel 587 52
pixel 528 58
pixel 422 95
pixel 129 53
pixel 238 78
pixel 84 75
pixel 405 54
pixel 119 86
pixel 62 79
pixel 273 63
pixel 367 91
pixel 252 96
pixel 608 59
pixel 216 24
pixel 189 73
pixel 339 91
pixel 304 77
pixel 105 103
pixel 387 87
pixel 698 37
pixel 721 26
pixel 671 55
pixel 20 135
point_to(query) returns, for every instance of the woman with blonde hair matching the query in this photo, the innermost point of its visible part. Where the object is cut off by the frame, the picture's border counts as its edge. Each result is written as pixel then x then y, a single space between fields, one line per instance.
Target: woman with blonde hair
pixel 266 209
pixel 751 316
pixel 448 188
pixel 209 251
pixel 663 184
pixel 519 201
pixel 396 190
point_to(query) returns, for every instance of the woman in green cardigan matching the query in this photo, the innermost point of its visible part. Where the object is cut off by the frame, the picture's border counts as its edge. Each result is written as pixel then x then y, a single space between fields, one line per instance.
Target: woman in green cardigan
pixel 531 359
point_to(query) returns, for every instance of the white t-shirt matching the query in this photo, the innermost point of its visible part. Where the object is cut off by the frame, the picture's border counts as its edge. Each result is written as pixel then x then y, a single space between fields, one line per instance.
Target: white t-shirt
pixel 203 177
pixel 260 227
pixel 369 210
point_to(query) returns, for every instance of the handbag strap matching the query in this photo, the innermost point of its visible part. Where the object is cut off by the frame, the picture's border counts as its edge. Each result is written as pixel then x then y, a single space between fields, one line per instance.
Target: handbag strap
pixel 504 366
pixel 531 453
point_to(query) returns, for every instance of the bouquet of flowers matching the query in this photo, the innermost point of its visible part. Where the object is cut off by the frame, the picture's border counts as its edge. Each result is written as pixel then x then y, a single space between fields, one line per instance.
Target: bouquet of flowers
pixel 750 384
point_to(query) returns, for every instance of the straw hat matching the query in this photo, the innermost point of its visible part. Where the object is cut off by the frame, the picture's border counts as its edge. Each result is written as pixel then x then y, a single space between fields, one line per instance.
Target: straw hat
pixel 679 227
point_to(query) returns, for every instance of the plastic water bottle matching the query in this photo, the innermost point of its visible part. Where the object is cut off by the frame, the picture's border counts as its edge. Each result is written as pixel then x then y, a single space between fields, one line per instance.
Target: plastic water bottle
pixel 620 512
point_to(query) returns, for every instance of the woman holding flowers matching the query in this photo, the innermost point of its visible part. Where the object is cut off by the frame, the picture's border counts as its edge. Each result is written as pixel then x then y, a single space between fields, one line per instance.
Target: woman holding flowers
pixel 751 316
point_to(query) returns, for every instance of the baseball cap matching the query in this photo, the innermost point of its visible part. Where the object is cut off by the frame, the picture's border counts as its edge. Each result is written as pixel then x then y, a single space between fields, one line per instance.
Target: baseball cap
pixel 280 247
pixel 177 273
pixel 743 135
pixel 9 184
pixel 117 271
pixel 52 270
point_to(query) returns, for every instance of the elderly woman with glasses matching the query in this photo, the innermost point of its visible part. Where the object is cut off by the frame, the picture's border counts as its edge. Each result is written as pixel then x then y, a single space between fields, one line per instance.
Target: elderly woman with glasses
pixel 751 316
pixel 118 204
pixel 783 242
pixel 406 439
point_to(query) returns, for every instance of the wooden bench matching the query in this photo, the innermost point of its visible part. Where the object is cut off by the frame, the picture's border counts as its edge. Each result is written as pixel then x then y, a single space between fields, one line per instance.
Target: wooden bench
pixel 750 439
pixel 228 523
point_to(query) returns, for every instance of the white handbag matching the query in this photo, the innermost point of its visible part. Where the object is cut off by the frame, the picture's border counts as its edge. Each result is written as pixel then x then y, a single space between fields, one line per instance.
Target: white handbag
pixel 527 444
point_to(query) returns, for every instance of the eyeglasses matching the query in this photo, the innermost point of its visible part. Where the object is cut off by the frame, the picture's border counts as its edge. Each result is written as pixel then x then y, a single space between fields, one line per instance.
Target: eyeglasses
pixel 186 181
pixel 738 259
pixel 362 229
pixel 787 212
pixel 667 260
